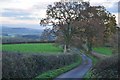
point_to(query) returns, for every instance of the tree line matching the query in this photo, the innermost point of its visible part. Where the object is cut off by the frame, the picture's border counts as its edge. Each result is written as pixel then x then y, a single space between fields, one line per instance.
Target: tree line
pixel 79 24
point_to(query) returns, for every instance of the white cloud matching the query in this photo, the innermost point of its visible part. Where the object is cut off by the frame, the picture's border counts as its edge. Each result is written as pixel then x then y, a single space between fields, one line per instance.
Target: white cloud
pixel 22 4
pixel 12 20
pixel 37 9
pixel 105 3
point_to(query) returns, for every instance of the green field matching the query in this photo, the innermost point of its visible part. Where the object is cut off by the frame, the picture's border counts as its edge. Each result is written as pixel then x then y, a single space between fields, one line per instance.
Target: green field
pixel 103 50
pixel 32 48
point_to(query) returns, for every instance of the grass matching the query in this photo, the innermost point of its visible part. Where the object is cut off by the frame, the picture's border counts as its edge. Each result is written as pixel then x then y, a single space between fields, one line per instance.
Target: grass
pixel 94 59
pixel 100 50
pixel 54 73
pixel 32 48
pixel 94 62
pixel 0 47
pixel 103 50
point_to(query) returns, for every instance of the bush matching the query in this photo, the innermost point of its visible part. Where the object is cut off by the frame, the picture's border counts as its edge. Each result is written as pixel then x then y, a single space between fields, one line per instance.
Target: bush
pixel 54 73
pixel 107 68
pixel 17 65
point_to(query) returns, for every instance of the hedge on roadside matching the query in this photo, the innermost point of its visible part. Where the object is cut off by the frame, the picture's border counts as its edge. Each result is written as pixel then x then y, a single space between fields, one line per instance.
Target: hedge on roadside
pixel 54 73
pixel 17 65
pixel 107 68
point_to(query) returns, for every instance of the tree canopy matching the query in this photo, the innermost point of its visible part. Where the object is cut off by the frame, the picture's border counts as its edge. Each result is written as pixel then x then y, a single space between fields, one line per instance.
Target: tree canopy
pixel 73 21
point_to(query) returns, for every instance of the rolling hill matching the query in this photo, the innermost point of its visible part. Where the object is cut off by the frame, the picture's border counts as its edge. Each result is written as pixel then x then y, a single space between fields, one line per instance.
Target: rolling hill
pixel 20 31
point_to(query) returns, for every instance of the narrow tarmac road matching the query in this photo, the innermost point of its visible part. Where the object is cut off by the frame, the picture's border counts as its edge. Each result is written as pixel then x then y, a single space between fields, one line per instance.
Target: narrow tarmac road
pixel 78 72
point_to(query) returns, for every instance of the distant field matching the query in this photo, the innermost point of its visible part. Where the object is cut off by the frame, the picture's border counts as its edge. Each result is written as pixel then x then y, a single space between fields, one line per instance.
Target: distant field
pixel 32 48
pixel 103 50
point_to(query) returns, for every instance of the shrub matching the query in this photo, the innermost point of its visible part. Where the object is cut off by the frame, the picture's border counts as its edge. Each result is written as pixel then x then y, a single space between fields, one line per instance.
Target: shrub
pixel 17 65
pixel 107 68
pixel 54 73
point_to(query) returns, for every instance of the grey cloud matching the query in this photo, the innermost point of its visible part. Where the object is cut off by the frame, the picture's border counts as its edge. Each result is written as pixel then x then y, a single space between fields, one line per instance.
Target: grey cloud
pixel 42 5
pixel 17 13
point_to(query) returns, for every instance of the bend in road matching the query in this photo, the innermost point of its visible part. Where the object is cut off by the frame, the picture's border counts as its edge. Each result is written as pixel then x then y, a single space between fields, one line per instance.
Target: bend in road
pixel 78 72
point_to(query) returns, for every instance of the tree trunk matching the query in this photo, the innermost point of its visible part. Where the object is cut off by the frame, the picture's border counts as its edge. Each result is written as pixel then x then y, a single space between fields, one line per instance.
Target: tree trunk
pixel 89 45
pixel 65 48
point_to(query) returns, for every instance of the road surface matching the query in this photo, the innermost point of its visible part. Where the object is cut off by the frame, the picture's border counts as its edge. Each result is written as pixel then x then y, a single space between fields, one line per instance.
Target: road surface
pixel 78 72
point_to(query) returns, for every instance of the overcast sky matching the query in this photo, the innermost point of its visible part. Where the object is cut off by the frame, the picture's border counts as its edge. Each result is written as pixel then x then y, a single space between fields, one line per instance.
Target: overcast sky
pixel 27 13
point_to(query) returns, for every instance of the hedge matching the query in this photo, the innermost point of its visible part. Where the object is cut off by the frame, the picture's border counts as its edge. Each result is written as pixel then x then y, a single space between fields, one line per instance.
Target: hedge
pixel 17 65
pixel 54 73
pixel 107 68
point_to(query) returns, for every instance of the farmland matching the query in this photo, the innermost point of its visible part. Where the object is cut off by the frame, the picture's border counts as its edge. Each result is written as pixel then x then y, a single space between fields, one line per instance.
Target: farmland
pixel 103 50
pixel 32 48
pixel 22 65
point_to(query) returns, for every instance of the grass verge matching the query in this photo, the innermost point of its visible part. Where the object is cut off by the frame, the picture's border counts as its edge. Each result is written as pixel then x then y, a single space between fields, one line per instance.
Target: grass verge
pixel 54 73
pixel 103 50
pixel 94 61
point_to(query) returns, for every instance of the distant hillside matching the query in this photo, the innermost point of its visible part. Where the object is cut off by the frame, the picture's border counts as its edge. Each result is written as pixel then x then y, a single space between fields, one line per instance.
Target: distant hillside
pixel 10 35
pixel 20 31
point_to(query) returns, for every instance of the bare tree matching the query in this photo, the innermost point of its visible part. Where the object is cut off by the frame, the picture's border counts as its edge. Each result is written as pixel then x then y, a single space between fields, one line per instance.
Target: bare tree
pixel 94 25
pixel 47 35
pixel 80 21
pixel 62 16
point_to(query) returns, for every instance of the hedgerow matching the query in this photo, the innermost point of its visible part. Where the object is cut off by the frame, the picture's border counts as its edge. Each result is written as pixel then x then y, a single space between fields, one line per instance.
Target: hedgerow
pixel 17 65
pixel 107 68
pixel 54 73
